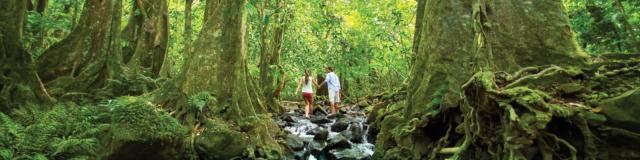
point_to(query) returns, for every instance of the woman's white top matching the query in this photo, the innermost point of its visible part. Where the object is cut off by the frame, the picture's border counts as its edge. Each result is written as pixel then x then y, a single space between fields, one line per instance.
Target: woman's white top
pixel 306 88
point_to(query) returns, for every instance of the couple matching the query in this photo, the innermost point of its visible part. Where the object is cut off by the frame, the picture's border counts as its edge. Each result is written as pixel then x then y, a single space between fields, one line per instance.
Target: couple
pixel 333 84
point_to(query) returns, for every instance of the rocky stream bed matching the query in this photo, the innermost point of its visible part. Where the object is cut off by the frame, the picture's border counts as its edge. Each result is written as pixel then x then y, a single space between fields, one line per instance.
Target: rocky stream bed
pixel 324 136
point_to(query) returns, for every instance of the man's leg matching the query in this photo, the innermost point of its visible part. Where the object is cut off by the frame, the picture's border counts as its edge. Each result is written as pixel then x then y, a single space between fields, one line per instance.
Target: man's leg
pixel 336 101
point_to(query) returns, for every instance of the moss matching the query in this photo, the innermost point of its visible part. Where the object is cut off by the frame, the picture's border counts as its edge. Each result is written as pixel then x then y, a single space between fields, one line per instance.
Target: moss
pixel 137 119
pixel 221 141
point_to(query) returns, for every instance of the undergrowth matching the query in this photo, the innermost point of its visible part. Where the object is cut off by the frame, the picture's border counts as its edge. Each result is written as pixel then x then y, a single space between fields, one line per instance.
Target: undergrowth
pixel 71 131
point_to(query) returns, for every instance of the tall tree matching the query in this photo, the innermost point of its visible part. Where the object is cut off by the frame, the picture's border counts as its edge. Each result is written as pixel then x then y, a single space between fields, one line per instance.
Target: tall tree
pixel 456 39
pixel 78 62
pixel 147 35
pixel 218 66
pixel 496 35
pixel 271 36
pixel 19 82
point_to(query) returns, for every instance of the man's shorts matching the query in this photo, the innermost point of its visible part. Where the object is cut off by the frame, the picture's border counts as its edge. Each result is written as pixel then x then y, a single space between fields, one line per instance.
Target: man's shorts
pixel 334 96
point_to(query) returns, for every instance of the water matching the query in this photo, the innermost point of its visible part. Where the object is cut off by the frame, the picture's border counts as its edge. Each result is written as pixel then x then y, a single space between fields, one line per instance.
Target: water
pixel 301 126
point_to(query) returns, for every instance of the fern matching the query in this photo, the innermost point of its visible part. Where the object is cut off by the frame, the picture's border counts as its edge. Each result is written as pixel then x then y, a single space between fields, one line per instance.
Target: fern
pixel 75 146
pixel 199 101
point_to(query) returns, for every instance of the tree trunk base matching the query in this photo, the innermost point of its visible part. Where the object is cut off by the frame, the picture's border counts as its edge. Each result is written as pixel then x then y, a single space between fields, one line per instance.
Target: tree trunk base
pixel 537 113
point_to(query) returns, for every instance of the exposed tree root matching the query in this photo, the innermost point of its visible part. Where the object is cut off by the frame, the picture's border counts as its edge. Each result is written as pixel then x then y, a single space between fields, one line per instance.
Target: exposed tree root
pixel 537 113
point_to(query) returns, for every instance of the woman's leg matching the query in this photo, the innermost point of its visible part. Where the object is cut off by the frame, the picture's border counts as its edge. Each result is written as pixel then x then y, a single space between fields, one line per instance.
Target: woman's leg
pixel 311 104
pixel 306 107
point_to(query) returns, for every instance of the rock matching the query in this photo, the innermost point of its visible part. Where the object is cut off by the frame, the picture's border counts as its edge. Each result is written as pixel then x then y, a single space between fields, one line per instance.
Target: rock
pixel 622 111
pixel 348 154
pixel 334 116
pixel 340 125
pixel 219 135
pixel 281 123
pixel 321 135
pixel 347 134
pixel 296 143
pixel 301 155
pixel 357 133
pixel 319 120
pixel 319 111
pixel 287 118
pixel 338 142
pixel 314 131
pixel 315 148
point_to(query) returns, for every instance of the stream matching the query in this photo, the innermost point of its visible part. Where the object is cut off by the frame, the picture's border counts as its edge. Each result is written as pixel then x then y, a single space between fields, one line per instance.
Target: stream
pixel 322 136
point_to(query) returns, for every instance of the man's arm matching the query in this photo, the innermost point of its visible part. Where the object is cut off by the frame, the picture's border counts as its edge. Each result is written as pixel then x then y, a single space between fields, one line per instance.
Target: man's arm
pixel 323 82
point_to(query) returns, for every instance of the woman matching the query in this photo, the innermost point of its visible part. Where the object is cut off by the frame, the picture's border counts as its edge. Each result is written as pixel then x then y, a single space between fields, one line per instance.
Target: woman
pixel 307 91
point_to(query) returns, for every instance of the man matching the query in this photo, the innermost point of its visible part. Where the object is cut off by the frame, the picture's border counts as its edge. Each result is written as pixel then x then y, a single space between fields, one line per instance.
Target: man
pixel 333 85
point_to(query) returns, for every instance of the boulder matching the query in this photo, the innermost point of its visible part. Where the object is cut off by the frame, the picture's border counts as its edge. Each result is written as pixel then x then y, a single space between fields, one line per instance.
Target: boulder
pixel 338 142
pixel 287 118
pixel 296 143
pixel 319 120
pixel 334 116
pixel 340 125
pixel 346 134
pixel 357 133
pixel 219 135
pixel 314 131
pixel 318 111
pixel 321 135
pixel 348 154
pixel 622 111
pixel 315 148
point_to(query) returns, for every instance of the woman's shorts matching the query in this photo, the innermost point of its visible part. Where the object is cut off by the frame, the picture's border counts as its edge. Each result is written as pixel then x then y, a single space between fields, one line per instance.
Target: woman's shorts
pixel 307 96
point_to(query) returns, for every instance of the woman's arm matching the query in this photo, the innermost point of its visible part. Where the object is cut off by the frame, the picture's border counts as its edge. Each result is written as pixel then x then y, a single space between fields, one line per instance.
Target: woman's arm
pixel 315 82
pixel 297 88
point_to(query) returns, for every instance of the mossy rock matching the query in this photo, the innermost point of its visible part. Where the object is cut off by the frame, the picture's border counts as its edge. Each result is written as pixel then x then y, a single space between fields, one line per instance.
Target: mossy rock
pixel 622 111
pixel 220 141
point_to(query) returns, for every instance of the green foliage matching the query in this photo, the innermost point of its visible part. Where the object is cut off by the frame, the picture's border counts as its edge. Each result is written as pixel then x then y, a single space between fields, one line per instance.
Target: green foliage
pixel 368 43
pixel 69 131
pixel 134 119
pixel 606 26
pixel 43 30
pixel 200 100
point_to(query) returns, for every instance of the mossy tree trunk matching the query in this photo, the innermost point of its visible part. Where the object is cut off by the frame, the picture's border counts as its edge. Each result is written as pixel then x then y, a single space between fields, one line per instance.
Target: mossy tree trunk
pixel 218 66
pixel 147 36
pixel 218 63
pixel 459 38
pixel 78 63
pixel 456 39
pixel 271 36
pixel 19 82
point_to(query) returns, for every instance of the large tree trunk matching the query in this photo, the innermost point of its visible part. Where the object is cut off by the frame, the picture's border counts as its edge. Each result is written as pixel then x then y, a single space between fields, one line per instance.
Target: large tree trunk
pixel 271 35
pixel 456 39
pixel 218 67
pixel 147 36
pixel 78 62
pixel 19 82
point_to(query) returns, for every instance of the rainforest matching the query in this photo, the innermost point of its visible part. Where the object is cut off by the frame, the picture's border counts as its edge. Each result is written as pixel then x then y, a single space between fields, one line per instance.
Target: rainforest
pixel 319 79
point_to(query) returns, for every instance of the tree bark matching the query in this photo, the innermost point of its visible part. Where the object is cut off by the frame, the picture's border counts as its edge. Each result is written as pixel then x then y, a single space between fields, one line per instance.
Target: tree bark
pixel 218 66
pixel 187 26
pixel 42 6
pixel 459 38
pixel 77 63
pixel 271 36
pixel 147 36
pixel 19 82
